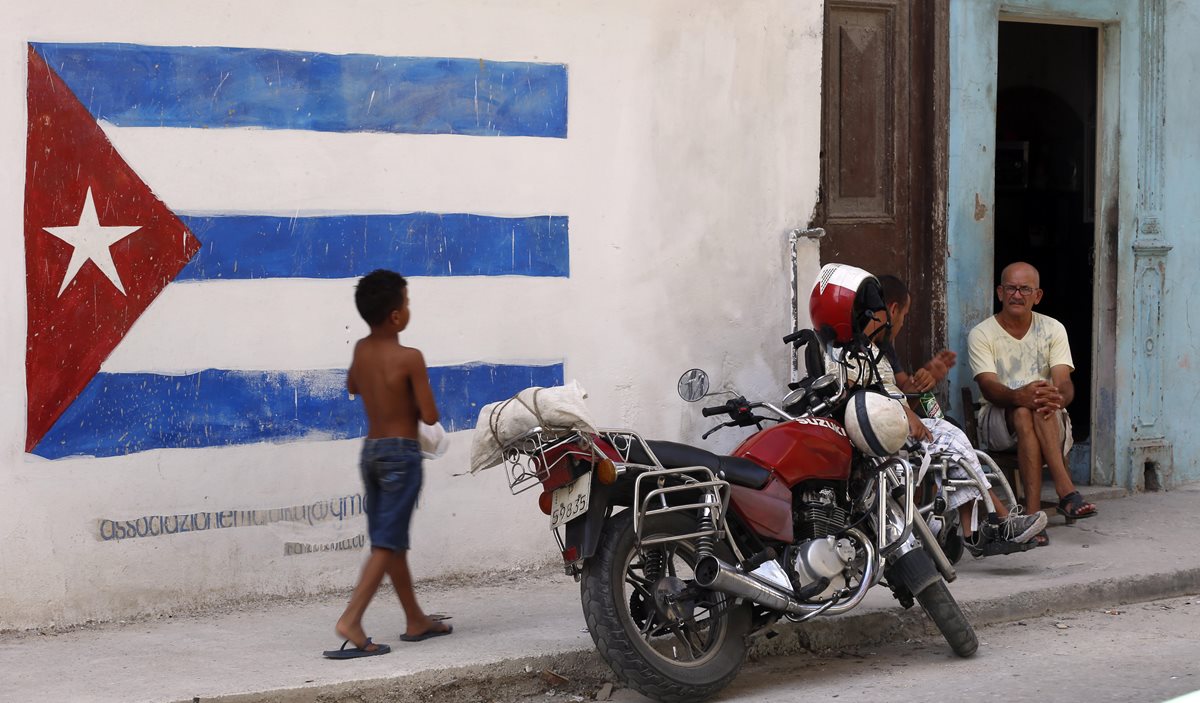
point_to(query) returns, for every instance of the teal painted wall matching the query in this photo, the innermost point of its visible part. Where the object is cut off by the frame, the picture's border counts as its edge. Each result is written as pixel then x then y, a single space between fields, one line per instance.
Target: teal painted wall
pixel 1181 218
pixel 1148 171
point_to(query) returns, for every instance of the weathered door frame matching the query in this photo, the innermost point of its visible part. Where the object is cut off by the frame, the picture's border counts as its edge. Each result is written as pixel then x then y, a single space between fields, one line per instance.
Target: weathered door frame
pixel 1127 427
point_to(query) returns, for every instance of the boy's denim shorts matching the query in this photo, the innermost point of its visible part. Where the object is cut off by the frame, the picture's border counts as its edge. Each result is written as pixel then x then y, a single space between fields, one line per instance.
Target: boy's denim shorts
pixel 392 475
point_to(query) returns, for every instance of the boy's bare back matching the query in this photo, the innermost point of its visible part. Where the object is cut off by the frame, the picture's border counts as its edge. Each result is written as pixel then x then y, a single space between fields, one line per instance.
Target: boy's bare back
pixel 394 385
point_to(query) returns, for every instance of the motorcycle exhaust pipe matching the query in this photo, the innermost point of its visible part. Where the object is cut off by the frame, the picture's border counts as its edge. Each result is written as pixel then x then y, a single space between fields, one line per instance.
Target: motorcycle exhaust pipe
pixel 716 575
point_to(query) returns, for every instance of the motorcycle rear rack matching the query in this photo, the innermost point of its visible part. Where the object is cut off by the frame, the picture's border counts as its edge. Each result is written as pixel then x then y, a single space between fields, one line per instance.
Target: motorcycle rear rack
pixel 526 458
pixel 713 496
pixel 527 464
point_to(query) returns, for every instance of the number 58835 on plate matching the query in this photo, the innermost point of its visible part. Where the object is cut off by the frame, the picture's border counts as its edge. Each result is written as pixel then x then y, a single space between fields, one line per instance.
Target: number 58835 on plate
pixel 570 501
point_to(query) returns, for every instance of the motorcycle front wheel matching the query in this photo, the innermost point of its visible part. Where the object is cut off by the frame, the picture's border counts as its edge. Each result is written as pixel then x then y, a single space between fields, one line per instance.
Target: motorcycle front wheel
pixel 948 616
pixel 662 635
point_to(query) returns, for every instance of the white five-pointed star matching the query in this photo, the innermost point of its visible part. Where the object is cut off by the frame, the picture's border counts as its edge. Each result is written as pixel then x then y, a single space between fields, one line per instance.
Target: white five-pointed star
pixel 91 241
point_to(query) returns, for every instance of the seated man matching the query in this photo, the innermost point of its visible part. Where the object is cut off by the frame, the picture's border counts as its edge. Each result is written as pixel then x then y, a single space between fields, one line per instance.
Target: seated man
pixel 1022 362
pixel 943 436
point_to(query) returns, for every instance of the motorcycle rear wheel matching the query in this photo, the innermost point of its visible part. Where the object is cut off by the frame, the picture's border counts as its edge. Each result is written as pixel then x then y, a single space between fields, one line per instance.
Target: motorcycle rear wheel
pixel 948 616
pixel 689 659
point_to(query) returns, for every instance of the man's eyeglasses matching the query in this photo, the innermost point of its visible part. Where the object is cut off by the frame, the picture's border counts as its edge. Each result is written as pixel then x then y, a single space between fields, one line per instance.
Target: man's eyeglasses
pixel 1023 290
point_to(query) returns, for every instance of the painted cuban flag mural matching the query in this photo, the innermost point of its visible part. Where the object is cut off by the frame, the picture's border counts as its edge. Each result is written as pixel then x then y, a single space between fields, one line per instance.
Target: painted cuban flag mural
pixel 102 249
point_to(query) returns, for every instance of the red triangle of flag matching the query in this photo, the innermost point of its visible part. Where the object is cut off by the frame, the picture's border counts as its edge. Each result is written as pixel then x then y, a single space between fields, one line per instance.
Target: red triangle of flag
pixel 78 186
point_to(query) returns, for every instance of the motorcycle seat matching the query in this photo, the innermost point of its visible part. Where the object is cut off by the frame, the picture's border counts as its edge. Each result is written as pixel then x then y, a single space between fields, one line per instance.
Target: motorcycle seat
pixel 673 455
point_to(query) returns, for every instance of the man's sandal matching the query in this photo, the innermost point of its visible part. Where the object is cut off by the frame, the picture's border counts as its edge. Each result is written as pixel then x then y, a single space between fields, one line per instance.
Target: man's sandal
pixel 1073 507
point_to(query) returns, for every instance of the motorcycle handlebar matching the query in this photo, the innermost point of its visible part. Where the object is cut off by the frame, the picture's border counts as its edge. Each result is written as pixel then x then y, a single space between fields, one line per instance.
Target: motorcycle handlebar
pixel 736 408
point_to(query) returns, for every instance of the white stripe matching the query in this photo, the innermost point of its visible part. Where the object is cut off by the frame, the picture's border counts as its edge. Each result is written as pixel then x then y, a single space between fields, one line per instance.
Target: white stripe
pixel 843 275
pixel 285 171
pixel 292 324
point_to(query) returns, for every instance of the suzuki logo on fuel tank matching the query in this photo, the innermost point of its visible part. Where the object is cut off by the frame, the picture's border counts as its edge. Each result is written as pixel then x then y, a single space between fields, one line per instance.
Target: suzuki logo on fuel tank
pixel 822 422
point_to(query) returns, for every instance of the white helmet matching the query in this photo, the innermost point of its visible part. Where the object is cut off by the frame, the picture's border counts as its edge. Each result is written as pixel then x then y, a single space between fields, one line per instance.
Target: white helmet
pixel 876 423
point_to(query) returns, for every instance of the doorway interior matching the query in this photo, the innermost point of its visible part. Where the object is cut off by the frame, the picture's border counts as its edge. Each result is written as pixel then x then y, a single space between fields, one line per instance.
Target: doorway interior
pixel 1045 209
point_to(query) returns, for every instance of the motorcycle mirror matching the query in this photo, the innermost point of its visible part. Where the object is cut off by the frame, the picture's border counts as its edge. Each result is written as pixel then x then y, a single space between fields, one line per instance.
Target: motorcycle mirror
pixel 693 385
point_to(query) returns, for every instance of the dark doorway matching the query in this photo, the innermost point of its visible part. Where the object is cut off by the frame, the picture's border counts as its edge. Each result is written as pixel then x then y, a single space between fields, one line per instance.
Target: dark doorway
pixel 1045 178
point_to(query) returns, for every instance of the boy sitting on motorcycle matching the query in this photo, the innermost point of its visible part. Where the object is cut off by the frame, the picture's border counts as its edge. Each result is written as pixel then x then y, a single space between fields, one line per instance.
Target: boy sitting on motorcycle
pixel 939 435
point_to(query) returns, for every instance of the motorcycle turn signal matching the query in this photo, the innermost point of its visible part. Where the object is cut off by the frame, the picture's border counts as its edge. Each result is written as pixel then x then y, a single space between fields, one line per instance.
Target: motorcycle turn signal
pixel 606 472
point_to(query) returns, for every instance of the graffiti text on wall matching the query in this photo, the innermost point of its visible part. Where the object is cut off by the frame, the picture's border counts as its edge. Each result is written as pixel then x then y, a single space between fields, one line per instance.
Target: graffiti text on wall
pixel 339 508
pixel 294 548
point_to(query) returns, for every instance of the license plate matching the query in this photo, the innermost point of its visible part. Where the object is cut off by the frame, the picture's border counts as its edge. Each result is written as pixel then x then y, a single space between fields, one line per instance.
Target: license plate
pixel 570 501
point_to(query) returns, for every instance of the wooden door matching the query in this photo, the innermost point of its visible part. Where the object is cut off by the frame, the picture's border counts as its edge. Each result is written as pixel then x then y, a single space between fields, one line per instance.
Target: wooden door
pixel 882 153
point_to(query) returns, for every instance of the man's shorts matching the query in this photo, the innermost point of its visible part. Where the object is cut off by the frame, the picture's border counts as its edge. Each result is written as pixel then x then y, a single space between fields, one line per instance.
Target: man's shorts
pixel 995 436
pixel 392 475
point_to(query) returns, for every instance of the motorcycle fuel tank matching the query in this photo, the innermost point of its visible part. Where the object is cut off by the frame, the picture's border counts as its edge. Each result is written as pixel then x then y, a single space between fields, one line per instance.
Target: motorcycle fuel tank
pixel 801 449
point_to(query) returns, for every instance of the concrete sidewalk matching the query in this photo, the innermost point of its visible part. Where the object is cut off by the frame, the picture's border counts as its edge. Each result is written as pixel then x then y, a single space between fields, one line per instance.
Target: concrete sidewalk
pixel 1138 548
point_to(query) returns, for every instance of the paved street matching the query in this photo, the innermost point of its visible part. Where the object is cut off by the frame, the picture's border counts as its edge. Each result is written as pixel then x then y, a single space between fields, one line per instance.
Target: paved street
pixel 1155 647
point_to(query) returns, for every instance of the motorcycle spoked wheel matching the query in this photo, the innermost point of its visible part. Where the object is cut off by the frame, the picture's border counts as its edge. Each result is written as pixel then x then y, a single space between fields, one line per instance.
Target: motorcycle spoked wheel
pixel 689 656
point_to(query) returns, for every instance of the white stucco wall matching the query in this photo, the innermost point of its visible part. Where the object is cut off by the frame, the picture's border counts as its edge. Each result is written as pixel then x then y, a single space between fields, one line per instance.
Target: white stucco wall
pixel 693 145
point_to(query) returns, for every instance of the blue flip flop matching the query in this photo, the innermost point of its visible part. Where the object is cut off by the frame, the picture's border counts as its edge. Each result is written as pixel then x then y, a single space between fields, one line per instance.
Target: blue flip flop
pixel 356 652
pixel 427 634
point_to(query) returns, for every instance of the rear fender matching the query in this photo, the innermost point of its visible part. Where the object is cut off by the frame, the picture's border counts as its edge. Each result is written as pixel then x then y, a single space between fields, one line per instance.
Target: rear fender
pixel 583 533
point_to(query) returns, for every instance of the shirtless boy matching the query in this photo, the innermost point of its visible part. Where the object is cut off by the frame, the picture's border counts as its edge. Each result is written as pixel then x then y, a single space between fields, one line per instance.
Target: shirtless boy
pixel 394 385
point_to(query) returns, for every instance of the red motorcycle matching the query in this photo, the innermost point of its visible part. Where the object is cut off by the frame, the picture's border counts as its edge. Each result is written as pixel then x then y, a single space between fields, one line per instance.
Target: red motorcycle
pixel 682 554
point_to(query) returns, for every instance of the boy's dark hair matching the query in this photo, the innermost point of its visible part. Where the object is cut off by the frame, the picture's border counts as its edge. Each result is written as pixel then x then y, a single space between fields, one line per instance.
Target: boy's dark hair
pixel 379 293
pixel 894 290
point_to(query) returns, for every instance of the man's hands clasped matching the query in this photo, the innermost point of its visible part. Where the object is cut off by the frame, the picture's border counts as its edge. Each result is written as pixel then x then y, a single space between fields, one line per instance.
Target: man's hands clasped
pixel 1042 397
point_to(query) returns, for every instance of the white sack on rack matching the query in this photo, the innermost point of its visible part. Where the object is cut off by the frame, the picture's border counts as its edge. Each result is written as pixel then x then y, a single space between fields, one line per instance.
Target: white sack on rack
pixel 558 407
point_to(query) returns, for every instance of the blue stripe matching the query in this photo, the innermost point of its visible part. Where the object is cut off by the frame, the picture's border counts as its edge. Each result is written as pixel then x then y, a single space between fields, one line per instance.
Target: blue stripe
pixel 346 246
pixel 131 85
pixel 125 413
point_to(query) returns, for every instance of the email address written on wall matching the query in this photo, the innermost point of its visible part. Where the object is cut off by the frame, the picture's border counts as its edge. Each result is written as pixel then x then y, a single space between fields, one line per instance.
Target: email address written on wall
pixel 339 508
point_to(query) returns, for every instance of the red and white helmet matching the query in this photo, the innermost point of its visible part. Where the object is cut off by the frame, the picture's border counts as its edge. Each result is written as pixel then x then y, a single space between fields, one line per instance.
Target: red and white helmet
pixel 840 298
